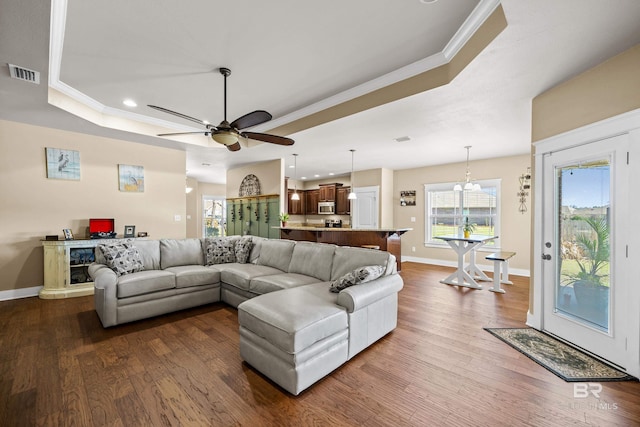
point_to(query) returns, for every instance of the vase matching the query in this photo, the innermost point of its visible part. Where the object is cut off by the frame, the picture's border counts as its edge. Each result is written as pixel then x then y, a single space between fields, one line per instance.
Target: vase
pixel 284 223
pixel 466 234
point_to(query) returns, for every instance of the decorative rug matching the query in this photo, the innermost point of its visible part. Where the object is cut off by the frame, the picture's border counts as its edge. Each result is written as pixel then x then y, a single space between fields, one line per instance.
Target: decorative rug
pixel 563 360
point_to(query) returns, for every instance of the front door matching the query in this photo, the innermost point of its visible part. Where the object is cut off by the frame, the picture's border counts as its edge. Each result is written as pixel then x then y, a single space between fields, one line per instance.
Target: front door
pixel 585 248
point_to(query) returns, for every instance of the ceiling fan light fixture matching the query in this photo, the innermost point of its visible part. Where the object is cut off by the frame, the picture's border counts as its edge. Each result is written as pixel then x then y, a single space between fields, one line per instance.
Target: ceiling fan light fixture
pixel 225 137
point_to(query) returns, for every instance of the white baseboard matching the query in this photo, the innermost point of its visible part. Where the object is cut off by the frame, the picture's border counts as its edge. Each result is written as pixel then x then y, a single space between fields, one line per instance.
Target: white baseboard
pixel 454 264
pixel 20 293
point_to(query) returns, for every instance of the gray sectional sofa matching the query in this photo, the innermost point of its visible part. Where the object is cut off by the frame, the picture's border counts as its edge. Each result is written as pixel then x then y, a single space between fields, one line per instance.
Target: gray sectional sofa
pixel 300 315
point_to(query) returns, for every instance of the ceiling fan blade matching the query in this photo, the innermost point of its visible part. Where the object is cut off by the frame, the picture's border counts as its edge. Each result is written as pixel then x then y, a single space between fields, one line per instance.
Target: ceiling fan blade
pixel 233 147
pixel 184 116
pixel 252 119
pixel 184 133
pixel 265 137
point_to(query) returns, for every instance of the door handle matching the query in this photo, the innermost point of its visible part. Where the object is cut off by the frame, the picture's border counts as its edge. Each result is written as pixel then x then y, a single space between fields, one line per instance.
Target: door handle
pixel 546 257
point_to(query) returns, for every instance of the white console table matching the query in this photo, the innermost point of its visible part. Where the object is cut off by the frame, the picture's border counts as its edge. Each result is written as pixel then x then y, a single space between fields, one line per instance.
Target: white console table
pixel 65 267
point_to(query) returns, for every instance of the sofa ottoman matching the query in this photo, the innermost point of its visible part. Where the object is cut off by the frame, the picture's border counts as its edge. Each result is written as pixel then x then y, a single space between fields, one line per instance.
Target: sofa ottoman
pixel 293 337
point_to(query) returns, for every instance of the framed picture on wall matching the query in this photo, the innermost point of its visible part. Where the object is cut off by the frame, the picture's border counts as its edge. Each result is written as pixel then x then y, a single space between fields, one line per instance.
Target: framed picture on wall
pixel 129 231
pixel 62 164
pixel 408 198
pixel 131 178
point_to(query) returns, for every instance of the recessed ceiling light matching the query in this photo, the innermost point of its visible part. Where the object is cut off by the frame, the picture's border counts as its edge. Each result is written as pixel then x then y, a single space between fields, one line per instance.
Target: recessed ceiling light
pixel 331 174
pixel 130 103
pixel 303 177
pixel 316 176
pixel 291 166
pixel 428 1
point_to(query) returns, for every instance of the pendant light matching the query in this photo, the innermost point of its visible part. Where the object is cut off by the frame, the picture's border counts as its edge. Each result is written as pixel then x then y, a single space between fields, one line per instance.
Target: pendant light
pixel 352 194
pixel 468 184
pixel 295 195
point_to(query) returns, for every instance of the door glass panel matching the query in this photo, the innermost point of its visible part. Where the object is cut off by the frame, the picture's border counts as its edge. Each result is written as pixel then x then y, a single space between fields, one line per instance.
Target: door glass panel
pixel 583 280
pixel 214 217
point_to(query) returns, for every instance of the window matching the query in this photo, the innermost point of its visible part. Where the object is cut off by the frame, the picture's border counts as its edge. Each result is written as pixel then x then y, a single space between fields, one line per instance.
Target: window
pixel 214 216
pixel 446 210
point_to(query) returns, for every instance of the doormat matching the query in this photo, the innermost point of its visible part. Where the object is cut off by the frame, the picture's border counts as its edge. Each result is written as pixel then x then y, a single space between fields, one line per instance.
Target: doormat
pixel 563 360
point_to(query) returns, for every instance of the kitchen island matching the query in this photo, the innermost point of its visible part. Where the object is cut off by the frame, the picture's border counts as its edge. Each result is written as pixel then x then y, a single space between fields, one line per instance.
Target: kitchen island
pixel 387 239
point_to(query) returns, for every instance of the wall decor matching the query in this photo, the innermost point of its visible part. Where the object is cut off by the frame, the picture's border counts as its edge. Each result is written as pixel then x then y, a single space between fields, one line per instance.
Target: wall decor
pixel 63 164
pixel 408 198
pixel 250 186
pixel 131 178
pixel 525 185
pixel 142 234
pixel 129 231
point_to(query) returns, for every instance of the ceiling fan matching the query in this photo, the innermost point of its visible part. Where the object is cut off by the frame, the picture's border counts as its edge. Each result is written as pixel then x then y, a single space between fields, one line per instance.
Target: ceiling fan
pixel 229 134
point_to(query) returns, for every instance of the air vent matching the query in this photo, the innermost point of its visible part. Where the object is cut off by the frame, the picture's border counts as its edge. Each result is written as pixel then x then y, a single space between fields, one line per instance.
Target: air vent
pixel 403 139
pixel 25 74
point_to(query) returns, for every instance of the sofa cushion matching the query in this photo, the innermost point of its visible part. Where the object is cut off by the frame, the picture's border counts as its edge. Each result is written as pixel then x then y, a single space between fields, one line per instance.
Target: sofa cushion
pixel 347 259
pixel 220 250
pixel 357 276
pixel 277 282
pixel 149 253
pixel 256 245
pixel 312 259
pixel 122 257
pixel 194 275
pixel 240 275
pixel 144 282
pixel 243 249
pixel 276 253
pixel 176 252
pixel 292 320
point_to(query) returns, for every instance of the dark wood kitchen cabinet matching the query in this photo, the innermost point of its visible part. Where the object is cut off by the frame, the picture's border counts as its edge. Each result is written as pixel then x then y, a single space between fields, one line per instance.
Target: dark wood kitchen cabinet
pixel 312 199
pixel 343 204
pixel 296 207
pixel 328 192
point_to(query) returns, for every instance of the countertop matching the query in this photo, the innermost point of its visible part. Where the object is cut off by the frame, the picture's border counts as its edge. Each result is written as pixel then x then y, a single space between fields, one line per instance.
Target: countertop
pixel 345 229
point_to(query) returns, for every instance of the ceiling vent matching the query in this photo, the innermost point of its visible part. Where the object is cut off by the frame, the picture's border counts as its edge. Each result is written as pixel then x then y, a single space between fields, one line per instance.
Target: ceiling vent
pixel 403 139
pixel 25 74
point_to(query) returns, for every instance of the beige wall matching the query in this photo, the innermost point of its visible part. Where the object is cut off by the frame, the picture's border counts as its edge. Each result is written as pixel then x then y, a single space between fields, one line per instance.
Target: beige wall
pixel 514 233
pixel 270 174
pixel 33 206
pixel 604 91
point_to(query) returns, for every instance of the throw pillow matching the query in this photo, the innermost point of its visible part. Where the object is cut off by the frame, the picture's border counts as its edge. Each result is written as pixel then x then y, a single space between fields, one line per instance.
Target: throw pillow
pixel 122 257
pixel 243 249
pixel 356 277
pixel 220 250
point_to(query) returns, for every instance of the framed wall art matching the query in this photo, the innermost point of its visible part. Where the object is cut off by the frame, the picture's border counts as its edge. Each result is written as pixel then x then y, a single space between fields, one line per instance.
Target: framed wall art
pixel 408 198
pixel 63 164
pixel 131 178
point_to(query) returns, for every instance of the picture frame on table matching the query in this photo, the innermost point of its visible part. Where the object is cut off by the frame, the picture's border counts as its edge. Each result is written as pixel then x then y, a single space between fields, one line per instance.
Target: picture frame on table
pixel 129 231
pixel 68 235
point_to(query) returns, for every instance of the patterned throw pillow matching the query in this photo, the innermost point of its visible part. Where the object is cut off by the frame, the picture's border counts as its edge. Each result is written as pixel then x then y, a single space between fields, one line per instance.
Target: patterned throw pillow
pixel 243 249
pixel 356 277
pixel 220 250
pixel 122 257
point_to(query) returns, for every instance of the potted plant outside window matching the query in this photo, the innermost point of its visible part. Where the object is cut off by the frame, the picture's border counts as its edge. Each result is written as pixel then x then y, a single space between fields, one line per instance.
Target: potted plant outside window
pixel 467 227
pixel 595 254
pixel 284 217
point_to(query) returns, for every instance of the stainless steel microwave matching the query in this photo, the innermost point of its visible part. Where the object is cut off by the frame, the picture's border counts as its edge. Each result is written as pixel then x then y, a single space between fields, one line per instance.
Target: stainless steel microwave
pixel 326 208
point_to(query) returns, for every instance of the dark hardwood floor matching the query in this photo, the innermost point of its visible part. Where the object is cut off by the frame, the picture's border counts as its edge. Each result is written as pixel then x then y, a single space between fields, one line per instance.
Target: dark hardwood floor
pixel 58 366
